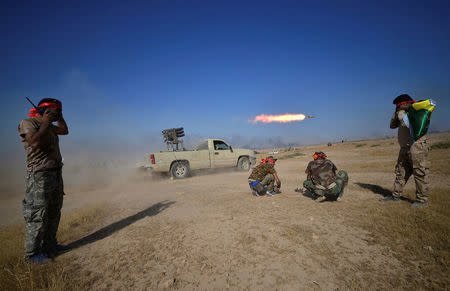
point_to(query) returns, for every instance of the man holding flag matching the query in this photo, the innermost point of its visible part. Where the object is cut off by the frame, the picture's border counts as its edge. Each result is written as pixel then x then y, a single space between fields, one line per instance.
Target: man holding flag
pixel 412 120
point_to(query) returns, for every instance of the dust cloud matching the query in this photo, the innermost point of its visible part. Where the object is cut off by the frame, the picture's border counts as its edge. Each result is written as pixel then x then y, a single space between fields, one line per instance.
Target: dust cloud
pixel 87 165
pixel 93 163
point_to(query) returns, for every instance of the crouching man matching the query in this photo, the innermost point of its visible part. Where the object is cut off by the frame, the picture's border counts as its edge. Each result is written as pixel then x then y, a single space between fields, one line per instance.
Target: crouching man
pixel 263 177
pixel 322 181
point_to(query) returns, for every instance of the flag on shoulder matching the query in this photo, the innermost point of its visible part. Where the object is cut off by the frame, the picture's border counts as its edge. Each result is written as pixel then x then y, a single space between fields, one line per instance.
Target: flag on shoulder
pixel 418 117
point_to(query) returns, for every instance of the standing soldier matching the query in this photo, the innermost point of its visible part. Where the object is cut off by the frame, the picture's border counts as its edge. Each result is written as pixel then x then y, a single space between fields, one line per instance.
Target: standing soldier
pixel 44 185
pixel 412 158
pixel 322 180
pixel 262 178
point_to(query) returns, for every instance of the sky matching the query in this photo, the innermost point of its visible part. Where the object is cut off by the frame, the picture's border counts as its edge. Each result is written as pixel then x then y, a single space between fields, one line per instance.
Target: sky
pixel 125 70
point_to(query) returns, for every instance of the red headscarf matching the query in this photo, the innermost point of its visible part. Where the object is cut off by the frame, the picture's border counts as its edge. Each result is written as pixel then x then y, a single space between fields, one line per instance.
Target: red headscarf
pixel 34 111
pixel 405 102
pixel 319 155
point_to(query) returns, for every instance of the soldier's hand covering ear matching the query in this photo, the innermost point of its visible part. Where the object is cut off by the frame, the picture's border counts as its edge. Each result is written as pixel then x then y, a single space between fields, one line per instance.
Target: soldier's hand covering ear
pixel 48 116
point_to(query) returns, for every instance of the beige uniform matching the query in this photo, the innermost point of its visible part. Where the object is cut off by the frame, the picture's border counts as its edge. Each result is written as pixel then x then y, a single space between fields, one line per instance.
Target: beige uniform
pixel 44 158
pixel 412 159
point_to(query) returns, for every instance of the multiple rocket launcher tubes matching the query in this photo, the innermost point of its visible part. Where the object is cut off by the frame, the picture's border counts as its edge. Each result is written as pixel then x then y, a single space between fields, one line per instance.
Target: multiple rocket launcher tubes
pixel 171 138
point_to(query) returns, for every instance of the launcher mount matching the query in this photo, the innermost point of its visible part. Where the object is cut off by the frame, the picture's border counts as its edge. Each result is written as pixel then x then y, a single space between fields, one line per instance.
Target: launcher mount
pixel 171 138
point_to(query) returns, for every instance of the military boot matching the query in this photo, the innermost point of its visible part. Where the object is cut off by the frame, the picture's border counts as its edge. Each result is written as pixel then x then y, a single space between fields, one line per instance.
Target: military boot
pixel 320 198
pixel 40 259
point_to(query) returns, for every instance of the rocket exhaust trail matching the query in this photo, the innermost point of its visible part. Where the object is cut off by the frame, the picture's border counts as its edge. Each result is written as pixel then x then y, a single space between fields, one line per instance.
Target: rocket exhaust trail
pixel 283 118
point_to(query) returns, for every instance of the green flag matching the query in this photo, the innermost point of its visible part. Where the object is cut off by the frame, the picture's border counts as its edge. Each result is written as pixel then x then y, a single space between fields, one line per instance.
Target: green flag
pixel 418 118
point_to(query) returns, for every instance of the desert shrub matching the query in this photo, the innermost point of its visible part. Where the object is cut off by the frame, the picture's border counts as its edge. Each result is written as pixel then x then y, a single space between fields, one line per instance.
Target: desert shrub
pixel 375 145
pixel 291 156
pixel 360 145
pixel 441 145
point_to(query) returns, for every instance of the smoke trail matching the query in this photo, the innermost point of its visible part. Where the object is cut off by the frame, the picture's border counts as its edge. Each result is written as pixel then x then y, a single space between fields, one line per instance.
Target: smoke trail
pixel 283 118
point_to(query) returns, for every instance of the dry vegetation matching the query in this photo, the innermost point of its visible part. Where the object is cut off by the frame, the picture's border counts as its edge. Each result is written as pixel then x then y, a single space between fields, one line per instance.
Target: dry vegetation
pixel 441 145
pixel 16 274
pixel 293 155
pixel 419 237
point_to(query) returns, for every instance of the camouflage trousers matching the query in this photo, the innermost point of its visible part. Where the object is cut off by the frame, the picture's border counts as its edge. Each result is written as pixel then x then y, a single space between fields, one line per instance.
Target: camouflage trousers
pixel 413 161
pixel 41 209
pixel 267 184
pixel 333 190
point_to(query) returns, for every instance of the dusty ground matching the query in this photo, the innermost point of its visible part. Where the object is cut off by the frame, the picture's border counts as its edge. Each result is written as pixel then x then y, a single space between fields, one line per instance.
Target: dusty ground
pixel 209 232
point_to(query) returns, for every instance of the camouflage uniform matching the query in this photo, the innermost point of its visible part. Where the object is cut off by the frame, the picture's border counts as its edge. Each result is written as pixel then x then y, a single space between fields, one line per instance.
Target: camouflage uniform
pixel 412 160
pixel 263 174
pixel 44 191
pixel 322 179
pixel 42 210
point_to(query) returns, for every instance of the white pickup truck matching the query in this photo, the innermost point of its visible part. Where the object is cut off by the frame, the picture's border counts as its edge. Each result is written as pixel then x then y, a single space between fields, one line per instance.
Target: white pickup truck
pixel 209 153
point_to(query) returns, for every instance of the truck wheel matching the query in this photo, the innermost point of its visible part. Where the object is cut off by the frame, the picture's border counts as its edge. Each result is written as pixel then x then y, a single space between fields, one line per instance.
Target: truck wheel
pixel 244 164
pixel 179 170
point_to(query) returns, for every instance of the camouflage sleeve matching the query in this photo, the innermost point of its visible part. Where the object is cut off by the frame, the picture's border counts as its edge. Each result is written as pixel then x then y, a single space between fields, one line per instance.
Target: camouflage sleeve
pixel 308 169
pixel 334 167
pixel 25 127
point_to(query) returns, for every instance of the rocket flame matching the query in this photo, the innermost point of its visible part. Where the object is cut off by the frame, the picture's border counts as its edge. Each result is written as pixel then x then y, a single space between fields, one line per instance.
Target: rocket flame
pixel 284 118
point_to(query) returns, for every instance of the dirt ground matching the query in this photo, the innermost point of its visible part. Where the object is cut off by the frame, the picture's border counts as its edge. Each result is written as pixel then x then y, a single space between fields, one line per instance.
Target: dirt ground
pixel 208 231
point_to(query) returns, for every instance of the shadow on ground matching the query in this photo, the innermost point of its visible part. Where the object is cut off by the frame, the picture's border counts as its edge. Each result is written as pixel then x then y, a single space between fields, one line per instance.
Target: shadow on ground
pixel 375 189
pixel 213 171
pixel 380 190
pixel 158 176
pixel 121 224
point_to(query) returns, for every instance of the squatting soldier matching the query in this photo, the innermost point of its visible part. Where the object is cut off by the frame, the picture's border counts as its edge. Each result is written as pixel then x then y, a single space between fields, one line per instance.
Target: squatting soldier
pixel 412 158
pixel 322 180
pixel 262 178
pixel 44 185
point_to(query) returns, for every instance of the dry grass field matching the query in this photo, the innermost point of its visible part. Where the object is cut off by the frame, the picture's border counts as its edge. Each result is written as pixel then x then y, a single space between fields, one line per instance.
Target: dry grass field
pixel 208 232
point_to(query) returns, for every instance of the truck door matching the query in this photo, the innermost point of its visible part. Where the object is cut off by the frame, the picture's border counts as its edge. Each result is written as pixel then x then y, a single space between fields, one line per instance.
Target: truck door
pixel 222 155
pixel 201 156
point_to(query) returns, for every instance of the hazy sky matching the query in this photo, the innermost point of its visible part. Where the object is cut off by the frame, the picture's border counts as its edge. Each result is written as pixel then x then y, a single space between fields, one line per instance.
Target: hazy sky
pixel 125 70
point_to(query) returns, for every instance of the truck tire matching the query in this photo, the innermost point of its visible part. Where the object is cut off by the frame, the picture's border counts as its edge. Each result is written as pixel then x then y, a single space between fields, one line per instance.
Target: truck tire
pixel 243 164
pixel 179 170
